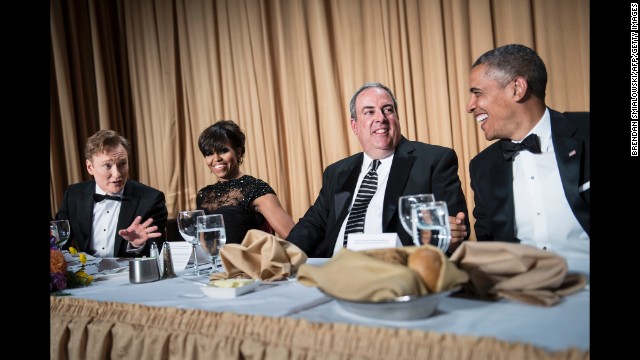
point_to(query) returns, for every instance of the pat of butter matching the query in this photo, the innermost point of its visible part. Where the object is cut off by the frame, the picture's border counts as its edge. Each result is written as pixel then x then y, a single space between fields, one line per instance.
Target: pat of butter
pixel 231 283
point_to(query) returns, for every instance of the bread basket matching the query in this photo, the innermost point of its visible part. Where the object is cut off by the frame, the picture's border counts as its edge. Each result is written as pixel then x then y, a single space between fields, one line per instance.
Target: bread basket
pixel 409 307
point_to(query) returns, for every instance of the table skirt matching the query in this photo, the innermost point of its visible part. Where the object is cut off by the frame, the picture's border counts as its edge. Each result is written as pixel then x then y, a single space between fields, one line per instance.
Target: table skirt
pixel 89 329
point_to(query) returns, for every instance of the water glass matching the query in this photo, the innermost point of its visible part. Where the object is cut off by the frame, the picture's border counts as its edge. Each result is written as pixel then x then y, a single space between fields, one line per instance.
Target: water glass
pixel 187 227
pixel 61 231
pixel 212 236
pixel 432 222
pixel 405 203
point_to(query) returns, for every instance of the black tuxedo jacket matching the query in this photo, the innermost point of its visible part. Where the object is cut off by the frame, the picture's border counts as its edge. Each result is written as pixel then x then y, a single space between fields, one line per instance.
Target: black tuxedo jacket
pixel 417 168
pixel 492 178
pixel 137 199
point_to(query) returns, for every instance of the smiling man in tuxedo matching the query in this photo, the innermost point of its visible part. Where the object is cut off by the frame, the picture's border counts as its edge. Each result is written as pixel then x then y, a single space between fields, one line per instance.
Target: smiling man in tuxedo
pixel 531 186
pixel 105 214
pixel 401 167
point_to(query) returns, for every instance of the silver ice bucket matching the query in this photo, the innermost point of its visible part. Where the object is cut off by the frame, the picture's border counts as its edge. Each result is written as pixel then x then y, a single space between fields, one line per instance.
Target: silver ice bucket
pixel 143 270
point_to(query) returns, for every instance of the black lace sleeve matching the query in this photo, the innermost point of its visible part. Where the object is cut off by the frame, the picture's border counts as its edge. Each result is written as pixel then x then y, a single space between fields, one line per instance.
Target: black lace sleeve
pixel 234 199
pixel 237 192
pixel 200 197
pixel 257 189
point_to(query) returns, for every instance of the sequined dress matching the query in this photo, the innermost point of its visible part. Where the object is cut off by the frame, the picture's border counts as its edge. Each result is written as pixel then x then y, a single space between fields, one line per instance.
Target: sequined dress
pixel 234 200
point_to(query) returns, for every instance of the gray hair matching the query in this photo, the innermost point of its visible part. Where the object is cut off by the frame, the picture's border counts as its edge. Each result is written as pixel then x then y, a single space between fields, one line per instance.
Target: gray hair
pixel 352 103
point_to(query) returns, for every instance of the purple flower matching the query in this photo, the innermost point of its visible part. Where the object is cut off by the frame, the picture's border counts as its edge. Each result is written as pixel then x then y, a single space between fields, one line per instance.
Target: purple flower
pixel 52 241
pixel 58 281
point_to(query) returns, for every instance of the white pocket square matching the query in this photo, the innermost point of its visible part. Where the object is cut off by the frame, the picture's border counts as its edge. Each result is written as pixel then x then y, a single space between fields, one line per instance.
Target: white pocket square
pixel 584 186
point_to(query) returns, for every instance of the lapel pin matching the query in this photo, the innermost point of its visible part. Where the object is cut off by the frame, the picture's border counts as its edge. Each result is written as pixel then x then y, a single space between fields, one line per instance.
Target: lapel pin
pixel 573 152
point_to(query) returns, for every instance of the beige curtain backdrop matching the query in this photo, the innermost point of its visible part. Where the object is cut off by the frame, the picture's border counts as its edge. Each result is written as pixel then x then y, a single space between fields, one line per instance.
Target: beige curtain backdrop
pixel 159 72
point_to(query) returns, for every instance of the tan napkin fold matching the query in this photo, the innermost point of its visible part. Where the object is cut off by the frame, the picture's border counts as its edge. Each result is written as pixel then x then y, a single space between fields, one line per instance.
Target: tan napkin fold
pixel 517 272
pixel 354 275
pixel 260 256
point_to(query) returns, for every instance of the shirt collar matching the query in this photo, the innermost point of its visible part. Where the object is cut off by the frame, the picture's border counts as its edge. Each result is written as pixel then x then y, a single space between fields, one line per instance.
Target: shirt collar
pixel 366 163
pixel 543 130
pixel 102 192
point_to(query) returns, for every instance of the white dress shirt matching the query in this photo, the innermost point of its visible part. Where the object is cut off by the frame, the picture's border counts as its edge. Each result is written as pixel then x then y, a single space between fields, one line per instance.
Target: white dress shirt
pixel 373 217
pixel 543 217
pixel 105 227
pixel 105 222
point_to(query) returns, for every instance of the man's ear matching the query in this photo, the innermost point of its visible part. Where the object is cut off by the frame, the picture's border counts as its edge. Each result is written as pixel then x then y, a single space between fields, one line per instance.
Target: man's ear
pixel 354 126
pixel 89 167
pixel 520 87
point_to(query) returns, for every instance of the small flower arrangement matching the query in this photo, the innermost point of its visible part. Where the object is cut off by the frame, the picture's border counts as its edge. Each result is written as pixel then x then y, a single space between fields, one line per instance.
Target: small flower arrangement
pixel 60 278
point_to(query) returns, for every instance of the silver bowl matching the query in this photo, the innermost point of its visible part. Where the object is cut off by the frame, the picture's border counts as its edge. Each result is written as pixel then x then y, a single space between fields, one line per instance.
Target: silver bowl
pixel 409 307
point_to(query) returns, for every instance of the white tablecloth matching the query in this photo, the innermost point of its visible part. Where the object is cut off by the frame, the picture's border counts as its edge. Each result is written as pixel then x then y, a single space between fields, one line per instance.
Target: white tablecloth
pixel 552 328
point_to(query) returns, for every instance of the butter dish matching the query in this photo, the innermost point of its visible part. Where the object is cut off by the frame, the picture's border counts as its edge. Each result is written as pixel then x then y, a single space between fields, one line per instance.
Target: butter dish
pixel 229 288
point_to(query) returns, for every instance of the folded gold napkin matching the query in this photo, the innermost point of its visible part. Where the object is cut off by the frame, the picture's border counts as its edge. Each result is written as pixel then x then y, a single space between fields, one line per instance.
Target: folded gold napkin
pixel 260 256
pixel 355 275
pixel 517 272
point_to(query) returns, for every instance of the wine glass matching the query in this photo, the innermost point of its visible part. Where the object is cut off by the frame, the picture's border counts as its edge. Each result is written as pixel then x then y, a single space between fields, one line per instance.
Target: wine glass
pixel 432 221
pixel 188 229
pixel 212 237
pixel 405 203
pixel 61 231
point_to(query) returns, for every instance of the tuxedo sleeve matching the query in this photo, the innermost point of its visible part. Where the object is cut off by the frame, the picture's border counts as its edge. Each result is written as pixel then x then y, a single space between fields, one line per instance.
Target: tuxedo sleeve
pixel 158 212
pixel 447 187
pixel 311 228
pixel 63 210
pixel 482 225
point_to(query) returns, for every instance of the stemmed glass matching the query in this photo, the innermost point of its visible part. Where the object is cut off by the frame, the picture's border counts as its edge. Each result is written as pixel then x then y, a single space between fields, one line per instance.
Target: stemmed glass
pixel 61 231
pixel 212 236
pixel 187 227
pixel 433 219
pixel 405 204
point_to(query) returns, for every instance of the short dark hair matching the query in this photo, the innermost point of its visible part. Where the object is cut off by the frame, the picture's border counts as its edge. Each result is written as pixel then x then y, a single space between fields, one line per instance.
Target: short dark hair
pixel 508 61
pixel 102 139
pixel 352 103
pixel 214 138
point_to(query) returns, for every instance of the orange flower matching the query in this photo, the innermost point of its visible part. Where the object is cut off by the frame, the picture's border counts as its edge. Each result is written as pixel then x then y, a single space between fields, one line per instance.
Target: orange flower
pixel 57 263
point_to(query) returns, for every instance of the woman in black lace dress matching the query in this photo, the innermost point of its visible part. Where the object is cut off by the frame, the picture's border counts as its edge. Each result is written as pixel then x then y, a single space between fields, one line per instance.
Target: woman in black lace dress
pixel 245 201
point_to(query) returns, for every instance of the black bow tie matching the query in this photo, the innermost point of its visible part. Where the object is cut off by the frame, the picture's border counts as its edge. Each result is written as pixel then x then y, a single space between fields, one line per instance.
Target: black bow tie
pixel 530 143
pixel 98 197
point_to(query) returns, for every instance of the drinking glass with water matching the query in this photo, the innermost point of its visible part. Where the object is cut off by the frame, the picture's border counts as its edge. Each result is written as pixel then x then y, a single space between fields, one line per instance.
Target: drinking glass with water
pixel 212 236
pixel 405 203
pixel 432 221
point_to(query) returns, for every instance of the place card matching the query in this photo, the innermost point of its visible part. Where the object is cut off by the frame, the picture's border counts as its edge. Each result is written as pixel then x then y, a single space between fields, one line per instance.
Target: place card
pixel 180 254
pixel 357 242
pixel 203 258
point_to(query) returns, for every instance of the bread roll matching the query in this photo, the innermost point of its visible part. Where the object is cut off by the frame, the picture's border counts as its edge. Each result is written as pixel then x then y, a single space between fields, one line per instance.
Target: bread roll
pixel 427 263
pixel 393 255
